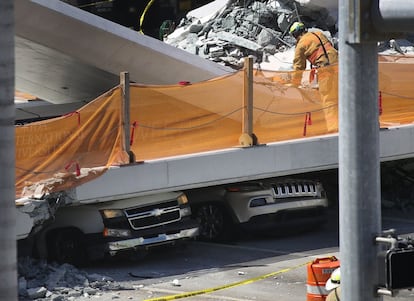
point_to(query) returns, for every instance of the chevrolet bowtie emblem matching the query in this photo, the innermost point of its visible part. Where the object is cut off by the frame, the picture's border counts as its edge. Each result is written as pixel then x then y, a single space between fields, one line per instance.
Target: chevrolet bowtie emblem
pixel 157 212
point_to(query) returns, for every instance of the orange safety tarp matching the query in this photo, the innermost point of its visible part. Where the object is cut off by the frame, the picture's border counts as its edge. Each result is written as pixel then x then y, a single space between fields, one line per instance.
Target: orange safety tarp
pixel 56 154
pixel 183 119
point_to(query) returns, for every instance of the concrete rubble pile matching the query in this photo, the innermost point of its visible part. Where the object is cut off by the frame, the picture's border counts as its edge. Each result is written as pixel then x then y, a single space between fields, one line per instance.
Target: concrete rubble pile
pixel 41 281
pixel 235 29
pixel 227 31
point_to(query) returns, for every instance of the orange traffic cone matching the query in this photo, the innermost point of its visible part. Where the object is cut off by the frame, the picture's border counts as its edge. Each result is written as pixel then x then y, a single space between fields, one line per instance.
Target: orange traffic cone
pixel 319 272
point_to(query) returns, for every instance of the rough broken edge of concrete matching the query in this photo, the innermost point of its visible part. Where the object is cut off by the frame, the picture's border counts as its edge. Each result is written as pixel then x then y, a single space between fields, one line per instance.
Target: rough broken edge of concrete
pixel 39 203
pixel 29 214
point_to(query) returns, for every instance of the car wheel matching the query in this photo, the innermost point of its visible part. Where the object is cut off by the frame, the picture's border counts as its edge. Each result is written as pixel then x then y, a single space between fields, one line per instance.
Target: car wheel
pixel 67 246
pixel 215 223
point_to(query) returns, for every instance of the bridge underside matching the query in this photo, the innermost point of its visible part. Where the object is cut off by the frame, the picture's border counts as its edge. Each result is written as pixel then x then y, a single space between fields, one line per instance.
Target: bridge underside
pixel 67 55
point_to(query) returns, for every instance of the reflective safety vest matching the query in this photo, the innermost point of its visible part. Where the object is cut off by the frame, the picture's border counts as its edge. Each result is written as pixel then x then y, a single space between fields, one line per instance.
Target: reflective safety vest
pixel 316 48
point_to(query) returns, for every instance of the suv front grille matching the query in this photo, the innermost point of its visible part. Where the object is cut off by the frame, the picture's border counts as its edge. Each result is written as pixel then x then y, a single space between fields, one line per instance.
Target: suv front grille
pixel 153 215
pixel 295 189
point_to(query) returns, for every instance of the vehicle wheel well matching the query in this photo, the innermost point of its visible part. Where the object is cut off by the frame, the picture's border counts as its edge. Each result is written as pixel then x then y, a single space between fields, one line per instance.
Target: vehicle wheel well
pixel 216 223
pixel 53 232
pixel 228 210
pixel 66 245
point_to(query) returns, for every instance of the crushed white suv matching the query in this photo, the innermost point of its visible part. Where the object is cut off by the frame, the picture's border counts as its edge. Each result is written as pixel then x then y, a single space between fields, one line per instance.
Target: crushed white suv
pixel 257 205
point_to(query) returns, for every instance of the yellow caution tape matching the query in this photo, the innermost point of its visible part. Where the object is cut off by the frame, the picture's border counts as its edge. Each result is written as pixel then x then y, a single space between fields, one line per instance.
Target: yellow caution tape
pixel 214 289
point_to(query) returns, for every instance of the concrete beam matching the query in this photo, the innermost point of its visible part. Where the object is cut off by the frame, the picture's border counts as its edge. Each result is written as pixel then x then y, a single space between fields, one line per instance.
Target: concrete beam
pixel 65 54
pixel 233 165
pixel 39 109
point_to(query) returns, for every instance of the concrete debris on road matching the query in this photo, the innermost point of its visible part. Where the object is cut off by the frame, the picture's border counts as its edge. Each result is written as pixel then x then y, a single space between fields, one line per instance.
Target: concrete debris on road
pixel 39 280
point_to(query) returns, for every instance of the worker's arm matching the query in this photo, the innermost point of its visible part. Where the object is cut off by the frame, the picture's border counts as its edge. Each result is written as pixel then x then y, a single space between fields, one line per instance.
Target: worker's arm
pixel 299 60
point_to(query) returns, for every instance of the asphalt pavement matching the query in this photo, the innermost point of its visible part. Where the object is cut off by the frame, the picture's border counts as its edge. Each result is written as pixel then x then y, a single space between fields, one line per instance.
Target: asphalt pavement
pixel 253 268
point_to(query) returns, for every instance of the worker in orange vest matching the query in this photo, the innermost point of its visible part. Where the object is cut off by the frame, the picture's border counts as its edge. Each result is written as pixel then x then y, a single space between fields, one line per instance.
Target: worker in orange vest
pixel 317 49
pixel 312 46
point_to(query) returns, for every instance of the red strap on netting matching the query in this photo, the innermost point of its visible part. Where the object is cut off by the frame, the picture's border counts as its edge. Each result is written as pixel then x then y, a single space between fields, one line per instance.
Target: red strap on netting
pixel 72 113
pixel 308 121
pixel 380 102
pixel 73 163
pixel 309 118
pixel 184 83
pixel 312 75
pixel 131 139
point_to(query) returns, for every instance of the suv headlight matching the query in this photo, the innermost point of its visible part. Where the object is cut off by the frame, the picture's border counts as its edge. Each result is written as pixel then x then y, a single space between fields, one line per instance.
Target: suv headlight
pixel 112 213
pixel 116 232
pixel 182 199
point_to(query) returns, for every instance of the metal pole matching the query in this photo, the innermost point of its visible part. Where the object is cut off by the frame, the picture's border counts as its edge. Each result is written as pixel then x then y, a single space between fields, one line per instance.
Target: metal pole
pixel 248 96
pixel 124 81
pixel 246 139
pixel 393 15
pixel 359 167
pixel 8 254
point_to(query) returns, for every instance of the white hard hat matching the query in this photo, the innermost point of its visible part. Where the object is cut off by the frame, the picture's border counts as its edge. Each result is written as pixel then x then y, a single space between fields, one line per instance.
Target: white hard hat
pixel 334 281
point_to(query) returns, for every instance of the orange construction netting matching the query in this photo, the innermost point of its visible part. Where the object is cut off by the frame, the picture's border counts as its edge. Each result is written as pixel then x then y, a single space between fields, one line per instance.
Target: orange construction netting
pixel 63 152
pixel 187 118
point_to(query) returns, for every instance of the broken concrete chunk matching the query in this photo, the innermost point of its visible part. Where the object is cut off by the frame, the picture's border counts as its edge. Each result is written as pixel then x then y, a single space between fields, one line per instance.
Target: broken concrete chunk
pixel 37 279
pixel 265 38
pixel 98 277
pixel 196 28
pixel 37 292
pixel 250 26
pixel 259 28
pixel 238 41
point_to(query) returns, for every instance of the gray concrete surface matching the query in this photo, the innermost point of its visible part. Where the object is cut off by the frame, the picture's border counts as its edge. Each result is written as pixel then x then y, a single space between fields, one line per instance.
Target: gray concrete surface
pixel 203 266
pixel 234 165
pixel 65 54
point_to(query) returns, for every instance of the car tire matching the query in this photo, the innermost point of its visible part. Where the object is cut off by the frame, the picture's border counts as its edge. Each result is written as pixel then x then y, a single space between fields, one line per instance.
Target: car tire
pixel 215 222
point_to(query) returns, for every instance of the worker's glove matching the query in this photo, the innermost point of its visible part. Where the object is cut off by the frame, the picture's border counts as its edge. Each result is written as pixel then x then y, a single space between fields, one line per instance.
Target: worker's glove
pixel 304 86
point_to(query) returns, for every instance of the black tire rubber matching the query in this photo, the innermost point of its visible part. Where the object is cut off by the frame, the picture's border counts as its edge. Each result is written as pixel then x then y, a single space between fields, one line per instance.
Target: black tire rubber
pixel 67 246
pixel 215 223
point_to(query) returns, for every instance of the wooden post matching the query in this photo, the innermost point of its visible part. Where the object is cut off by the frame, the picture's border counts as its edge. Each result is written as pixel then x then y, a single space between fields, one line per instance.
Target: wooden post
pixel 124 82
pixel 246 138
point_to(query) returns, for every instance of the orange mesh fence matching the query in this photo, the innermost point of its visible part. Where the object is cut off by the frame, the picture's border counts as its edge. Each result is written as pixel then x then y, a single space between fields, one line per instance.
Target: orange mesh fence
pixel 183 119
pixel 302 104
pixel 189 118
pixel 396 99
pixel 59 153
